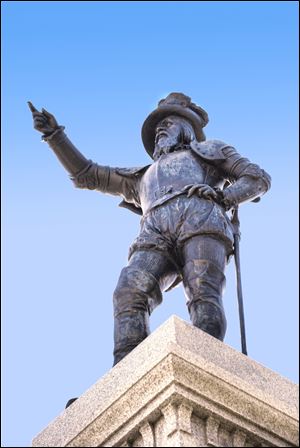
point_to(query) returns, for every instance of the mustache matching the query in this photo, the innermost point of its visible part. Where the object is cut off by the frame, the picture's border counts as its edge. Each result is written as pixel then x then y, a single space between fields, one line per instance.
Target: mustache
pixel 160 134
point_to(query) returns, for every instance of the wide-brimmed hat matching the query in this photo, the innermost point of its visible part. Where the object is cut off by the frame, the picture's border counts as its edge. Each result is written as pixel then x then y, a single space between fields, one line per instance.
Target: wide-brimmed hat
pixel 174 104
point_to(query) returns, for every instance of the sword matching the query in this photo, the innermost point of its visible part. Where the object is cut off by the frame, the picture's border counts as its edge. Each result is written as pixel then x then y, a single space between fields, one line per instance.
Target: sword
pixel 236 225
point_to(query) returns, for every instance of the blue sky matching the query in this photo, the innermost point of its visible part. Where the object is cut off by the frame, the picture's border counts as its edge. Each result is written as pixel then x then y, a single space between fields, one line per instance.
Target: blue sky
pixel 101 67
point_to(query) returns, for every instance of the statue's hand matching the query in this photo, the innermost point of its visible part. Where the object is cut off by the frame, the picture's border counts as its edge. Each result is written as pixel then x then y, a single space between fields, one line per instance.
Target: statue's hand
pixel 43 121
pixel 203 191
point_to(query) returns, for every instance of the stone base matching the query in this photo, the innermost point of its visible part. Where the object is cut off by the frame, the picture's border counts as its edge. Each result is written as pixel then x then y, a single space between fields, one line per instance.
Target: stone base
pixel 181 387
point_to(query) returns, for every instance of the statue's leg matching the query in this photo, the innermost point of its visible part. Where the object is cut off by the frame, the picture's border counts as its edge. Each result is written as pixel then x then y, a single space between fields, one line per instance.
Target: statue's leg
pixel 204 261
pixel 136 295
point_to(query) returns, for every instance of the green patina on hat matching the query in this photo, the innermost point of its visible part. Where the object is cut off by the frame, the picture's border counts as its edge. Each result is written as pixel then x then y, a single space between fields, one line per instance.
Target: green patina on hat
pixel 174 104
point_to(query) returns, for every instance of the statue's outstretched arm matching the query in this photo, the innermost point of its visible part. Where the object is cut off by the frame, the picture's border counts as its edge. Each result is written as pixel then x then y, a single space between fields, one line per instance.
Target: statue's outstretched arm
pixel 83 172
pixel 69 156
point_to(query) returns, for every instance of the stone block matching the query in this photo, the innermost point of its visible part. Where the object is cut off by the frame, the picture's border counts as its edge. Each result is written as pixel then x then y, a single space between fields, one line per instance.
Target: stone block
pixel 181 387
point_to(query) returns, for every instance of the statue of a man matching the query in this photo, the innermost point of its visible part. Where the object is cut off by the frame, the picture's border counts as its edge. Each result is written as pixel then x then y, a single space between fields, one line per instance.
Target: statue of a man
pixel 183 196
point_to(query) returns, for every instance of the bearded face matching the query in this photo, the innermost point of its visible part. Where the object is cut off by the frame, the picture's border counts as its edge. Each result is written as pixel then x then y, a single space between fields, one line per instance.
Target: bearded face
pixel 169 135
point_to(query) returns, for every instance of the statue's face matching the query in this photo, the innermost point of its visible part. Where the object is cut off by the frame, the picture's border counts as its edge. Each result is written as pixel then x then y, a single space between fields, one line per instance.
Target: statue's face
pixel 168 135
pixel 168 128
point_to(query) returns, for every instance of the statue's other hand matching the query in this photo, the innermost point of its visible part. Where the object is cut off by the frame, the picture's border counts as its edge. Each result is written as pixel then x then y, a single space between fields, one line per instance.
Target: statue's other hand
pixel 43 121
pixel 203 191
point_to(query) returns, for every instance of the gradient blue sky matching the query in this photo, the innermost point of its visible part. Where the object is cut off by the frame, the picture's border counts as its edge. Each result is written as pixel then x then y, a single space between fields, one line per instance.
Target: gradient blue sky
pixel 101 67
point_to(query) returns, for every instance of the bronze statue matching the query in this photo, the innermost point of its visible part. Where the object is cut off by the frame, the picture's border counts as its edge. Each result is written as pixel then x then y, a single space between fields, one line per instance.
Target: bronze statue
pixel 184 197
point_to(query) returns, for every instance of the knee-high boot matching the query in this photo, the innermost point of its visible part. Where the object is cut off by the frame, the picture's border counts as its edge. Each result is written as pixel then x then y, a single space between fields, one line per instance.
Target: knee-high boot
pixel 209 317
pixel 204 283
pixel 130 328
pixel 136 294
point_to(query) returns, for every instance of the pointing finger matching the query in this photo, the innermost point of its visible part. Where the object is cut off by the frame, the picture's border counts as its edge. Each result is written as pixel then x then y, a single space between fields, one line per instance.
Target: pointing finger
pixel 31 107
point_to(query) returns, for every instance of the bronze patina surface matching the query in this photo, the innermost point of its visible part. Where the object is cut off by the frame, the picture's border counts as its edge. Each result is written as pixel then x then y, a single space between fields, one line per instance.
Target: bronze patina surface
pixel 185 198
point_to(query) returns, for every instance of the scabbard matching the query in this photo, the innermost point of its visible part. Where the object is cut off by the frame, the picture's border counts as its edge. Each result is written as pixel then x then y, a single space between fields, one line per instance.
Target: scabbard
pixel 235 222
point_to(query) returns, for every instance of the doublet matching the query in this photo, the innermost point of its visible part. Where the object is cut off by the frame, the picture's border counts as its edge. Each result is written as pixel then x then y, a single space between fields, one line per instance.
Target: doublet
pixel 213 162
